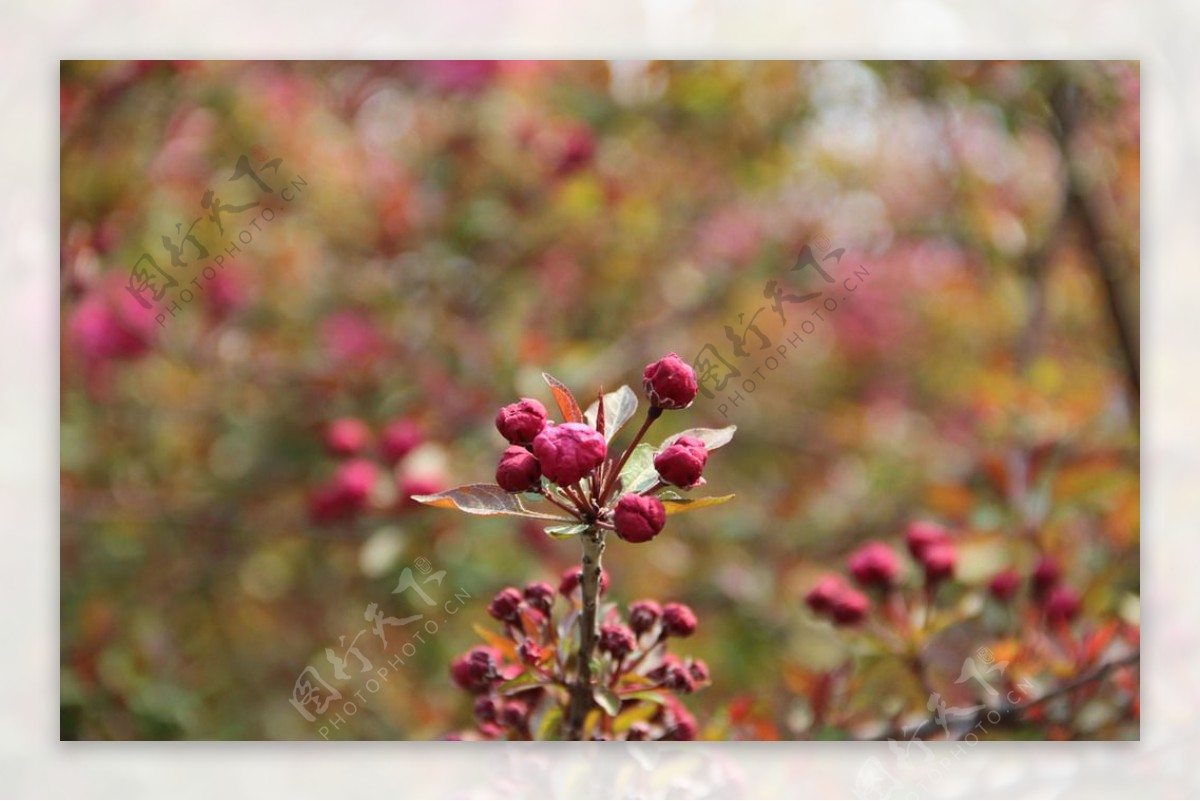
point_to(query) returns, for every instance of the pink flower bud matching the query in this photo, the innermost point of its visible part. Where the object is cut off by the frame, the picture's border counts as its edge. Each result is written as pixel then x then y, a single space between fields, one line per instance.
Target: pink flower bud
pixel 505 605
pixel 1062 605
pixel 569 452
pixel 938 561
pixel 355 479
pixel 643 615
pixel 670 383
pixel 520 422
pixel 347 436
pixel 398 439
pixel 572 577
pixel 849 607
pixel 682 462
pixel 518 470
pixel 639 518
pixel 540 596
pixel 617 640
pixel 922 534
pixel 1045 576
pixel 820 598
pixel 678 620
pixel 699 670
pixel 678 678
pixel 875 565
pixel 1004 585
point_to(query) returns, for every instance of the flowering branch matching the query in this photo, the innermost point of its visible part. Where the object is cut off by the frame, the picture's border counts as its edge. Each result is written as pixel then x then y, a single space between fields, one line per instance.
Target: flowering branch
pixel 567 465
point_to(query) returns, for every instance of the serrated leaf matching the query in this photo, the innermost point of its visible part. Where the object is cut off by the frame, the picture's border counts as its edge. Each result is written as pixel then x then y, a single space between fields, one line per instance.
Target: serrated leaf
pixel 638 713
pixel 652 696
pixel 565 400
pixel 565 532
pixel 678 507
pixel 607 700
pixel 484 499
pixel 619 408
pixel 712 438
pixel 639 474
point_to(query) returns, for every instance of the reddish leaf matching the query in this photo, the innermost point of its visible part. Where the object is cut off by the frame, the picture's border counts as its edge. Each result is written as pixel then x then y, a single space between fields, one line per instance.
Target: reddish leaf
pixel 565 400
pixel 484 499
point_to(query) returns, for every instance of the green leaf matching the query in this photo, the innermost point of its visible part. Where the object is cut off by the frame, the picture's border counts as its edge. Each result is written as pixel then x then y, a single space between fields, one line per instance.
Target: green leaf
pixel 607 700
pixel 565 532
pixel 484 499
pixel 619 408
pixel 565 400
pixel 712 438
pixel 523 682
pixel 678 507
pixel 545 726
pixel 639 474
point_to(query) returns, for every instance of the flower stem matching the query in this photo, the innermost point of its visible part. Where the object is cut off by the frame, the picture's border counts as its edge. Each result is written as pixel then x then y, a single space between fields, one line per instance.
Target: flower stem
pixel 581 702
pixel 652 414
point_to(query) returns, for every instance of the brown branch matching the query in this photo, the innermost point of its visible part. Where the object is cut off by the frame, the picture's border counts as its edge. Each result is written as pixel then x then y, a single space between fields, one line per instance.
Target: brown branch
pixel 1109 266
pixel 1008 714
pixel 582 688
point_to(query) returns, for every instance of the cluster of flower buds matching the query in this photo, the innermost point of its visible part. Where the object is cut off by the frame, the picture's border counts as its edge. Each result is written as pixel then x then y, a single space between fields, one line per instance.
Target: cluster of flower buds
pixel 877 567
pixel 363 458
pixel 569 463
pixel 1059 603
pixel 521 680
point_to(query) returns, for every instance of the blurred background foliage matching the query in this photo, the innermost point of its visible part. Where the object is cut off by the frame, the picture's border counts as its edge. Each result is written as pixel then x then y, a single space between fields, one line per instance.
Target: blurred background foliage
pixel 458 227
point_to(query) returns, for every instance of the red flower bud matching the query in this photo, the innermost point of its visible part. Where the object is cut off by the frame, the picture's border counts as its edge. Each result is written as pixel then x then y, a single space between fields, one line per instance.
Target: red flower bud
pixel 520 422
pixel 512 714
pixel 670 383
pixel 572 577
pixel 875 565
pixel 347 436
pixel 617 640
pixel 569 452
pixel 477 669
pixel 643 615
pixel 922 534
pixel 530 652
pixel 938 561
pixel 699 670
pixel 679 723
pixel 540 596
pixel 678 620
pixel 821 597
pixel 639 518
pixel 486 709
pixel 398 439
pixel 1004 585
pixel 678 678
pixel 1045 576
pixel 1062 605
pixel 849 607
pixel 505 605
pixel 518 470
pixel 682 462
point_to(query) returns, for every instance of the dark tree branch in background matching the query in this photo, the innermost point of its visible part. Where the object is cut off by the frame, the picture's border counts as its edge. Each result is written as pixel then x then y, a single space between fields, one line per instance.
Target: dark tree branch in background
pixel 1066 101
pixel 961 725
